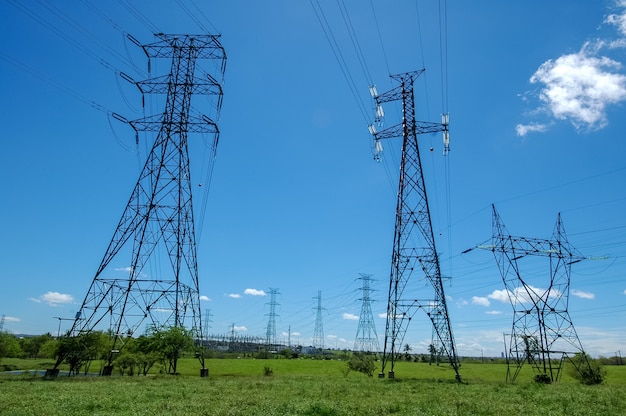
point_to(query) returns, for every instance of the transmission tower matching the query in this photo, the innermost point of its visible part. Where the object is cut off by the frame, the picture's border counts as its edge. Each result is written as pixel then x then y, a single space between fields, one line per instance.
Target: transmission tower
pixel 270 334
pixel 366 338
pixel 414 249
pixel 154 246
pixel 318 334
pixel 543 333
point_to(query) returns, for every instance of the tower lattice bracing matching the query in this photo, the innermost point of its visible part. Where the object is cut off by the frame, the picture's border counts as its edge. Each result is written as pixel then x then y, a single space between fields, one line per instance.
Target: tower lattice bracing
pixel 543 334
pixel 149 273
pixel 270 334
pixel 366 338
pixel 318 333
pixel 414 255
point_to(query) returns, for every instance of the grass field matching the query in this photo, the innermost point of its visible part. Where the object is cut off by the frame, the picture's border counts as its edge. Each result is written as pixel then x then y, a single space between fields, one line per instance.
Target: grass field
pixel 309 387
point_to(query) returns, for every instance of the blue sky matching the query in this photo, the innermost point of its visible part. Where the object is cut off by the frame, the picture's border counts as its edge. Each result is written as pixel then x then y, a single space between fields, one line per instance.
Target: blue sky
pixel 535 91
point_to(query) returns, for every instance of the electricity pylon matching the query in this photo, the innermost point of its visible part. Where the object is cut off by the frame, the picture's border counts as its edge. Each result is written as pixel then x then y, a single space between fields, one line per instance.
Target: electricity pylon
pixel 543 333
pixel 149 272
pixel 270 334
pixel 366 338
pixel 318 333
pixel 414 254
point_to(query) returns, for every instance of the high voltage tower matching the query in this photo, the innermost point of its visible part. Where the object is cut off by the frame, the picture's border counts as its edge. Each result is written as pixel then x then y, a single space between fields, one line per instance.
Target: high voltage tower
pixel 154 245
pixel 543 333
pixel 270 334
pixel 414 249
pixel 366 338
pixel 318 333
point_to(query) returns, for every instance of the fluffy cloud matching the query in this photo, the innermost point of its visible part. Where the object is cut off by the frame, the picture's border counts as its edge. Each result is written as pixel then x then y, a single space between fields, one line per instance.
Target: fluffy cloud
pixel 618 20
pixel 54 299
pixel 205 298
pixel 234 295
pixel 479 300
pixel 578 87
pixel 350 316
pixel 240 328
pixel 521 294
pixel 583 295
pixel 254 292
pixel 494 312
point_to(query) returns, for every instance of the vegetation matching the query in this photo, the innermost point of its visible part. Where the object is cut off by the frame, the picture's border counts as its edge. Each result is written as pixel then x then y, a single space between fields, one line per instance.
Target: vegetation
pixel 586 370
pixel 363 363
pixel 308 386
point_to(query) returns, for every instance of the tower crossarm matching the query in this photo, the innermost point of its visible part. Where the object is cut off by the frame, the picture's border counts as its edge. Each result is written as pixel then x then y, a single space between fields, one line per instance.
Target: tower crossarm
pixel 209 46
pixel 421 127
pixel 523 246
pixel 200 86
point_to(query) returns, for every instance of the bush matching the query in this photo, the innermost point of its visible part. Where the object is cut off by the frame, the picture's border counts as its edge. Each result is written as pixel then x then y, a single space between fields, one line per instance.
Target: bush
pixel 363 363
pixel 586 370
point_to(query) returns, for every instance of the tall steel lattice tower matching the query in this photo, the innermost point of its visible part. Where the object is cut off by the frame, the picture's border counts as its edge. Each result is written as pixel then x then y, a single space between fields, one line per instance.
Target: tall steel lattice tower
pixel 154 246
pixel 318 333
pixel 270 334
pixel 366 338
pixel 414 254
pixel 543 333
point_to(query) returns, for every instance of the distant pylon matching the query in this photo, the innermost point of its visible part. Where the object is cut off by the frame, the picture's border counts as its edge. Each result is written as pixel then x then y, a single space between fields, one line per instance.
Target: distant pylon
pixel 318 334
pixel 270 334
pixel 543 333
pixel 150 271
pixel 414 250
pixel 366 338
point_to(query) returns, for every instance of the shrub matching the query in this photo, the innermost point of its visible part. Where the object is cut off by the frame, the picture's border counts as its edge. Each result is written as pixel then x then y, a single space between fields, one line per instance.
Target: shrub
pixel 363 363
pixel 586 370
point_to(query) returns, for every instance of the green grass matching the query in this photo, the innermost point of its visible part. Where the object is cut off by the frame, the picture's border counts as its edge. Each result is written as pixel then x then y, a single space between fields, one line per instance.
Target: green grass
pixel 311 387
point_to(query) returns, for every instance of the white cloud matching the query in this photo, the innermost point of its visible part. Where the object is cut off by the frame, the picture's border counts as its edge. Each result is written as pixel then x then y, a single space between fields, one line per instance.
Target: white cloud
pixel 521 294
pixel 479 300
pixel 240 328
pixel 578 87
pixel 384 314
pixel 124 269
pixel 350 316
pixel 583 295
pixel 54 299
pixel 523 129
pixel 11 319
pixel 234 295
pixel 618 20
pixel 499 295
pixel 205 298
pixel 331 336
pixel 494 312
pixel 254 292
pixel 625 292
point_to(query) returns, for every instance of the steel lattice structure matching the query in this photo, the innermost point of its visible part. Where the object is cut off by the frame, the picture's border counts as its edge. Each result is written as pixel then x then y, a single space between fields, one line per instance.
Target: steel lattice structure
pixel 543 333
pixel 154 243
pixel 414 254
pixel 318 333
pixel 270 333
pixel 366 339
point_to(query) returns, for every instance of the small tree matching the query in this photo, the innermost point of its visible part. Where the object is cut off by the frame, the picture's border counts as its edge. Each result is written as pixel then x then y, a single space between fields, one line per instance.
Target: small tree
pixel 407 352
pixel 80 350
pixel 363 363
pixel 586 370
pixel 170 344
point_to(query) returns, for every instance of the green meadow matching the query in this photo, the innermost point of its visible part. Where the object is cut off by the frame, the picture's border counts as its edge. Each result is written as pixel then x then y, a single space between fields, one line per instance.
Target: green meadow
pixel 308 387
